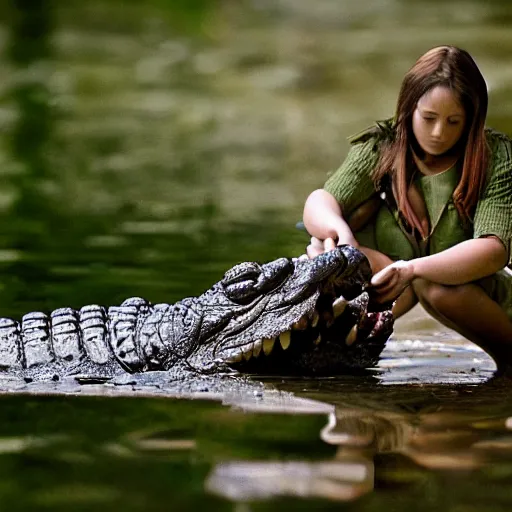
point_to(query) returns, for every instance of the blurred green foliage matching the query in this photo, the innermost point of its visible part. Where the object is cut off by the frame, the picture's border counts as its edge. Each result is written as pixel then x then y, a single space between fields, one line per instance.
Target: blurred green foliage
pixel 149 145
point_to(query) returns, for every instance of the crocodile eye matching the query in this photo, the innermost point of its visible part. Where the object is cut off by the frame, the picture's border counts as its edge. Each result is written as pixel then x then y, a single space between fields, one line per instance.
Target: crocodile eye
pixel 274 273
pixel 239 282
pixel 242 293
pixel 247 271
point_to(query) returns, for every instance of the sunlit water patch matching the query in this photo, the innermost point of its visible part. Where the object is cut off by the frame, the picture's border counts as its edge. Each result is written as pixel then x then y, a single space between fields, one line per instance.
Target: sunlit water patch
pixel 423 351
pixel 149 146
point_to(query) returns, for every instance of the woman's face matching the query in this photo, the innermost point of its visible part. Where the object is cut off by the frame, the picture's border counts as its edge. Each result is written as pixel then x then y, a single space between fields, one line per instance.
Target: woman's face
pixel 438 121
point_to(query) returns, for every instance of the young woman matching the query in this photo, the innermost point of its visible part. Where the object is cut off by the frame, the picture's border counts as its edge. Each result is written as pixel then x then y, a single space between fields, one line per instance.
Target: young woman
pixel 427 196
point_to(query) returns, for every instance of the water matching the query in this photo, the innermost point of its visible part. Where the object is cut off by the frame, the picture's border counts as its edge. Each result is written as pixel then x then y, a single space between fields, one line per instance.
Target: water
pixel 146 148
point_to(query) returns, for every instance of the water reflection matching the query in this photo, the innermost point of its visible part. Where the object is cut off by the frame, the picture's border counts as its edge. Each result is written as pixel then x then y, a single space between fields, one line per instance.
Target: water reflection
pixel 373 432
pixel 388 440
pixel 147 147
pixel 339 480
pixel 377 445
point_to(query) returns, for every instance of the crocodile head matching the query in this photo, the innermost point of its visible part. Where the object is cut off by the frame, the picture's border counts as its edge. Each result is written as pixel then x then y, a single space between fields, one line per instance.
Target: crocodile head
pixel 296 316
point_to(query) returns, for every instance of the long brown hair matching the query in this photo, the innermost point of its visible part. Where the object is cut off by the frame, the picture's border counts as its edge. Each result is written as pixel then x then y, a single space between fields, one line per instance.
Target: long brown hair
pixel 454 68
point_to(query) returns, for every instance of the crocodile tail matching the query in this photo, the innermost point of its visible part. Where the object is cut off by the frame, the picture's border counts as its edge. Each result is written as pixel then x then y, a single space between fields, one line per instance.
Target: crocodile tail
pixel 68 336
pixel 11 347
pixel 124 325
pixel 93 329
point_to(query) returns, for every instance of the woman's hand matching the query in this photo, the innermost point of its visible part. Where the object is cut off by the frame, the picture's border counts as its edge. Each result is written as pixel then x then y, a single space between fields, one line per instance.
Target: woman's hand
pixel 318 246
pixel 392 280
pixel 323 220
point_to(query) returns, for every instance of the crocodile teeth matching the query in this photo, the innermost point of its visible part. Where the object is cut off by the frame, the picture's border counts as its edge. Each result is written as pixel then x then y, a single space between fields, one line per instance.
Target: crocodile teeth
pixel 328 318
pixel 256 349
pixel 314 319
pixel 351 336
pixel 248 353
pixel 318 340
pixel 301 323
pixel 338 306
pixel 235 358
pixel 285 339
pixel 268 345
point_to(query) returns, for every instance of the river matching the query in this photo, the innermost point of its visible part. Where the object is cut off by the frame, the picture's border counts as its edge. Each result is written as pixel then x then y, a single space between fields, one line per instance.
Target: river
pixel 145 148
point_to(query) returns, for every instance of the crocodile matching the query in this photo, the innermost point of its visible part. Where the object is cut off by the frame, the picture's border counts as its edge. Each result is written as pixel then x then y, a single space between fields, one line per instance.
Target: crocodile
pixel 290 316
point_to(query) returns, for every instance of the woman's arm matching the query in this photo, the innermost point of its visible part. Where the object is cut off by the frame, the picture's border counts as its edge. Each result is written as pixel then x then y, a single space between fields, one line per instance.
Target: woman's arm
pixel 323 218
pixel 463 263
pixel 351 185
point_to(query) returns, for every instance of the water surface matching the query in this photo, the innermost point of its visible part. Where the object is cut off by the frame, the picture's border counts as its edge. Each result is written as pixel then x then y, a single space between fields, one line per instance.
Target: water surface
pixel 145 148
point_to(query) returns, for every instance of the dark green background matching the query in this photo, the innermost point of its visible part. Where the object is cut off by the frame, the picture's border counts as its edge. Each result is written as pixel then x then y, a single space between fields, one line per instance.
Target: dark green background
pixel 145 148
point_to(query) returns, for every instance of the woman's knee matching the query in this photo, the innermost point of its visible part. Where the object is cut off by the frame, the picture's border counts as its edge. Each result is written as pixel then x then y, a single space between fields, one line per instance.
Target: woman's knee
pixel 422 288
pixel 437 297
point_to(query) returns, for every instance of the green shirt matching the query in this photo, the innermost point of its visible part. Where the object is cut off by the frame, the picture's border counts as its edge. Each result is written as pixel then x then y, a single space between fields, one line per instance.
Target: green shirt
pixel 352 185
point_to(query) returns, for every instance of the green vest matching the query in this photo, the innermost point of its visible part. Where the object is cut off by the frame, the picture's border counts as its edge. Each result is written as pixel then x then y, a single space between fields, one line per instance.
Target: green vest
pixel 446 228
pixel 352 185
